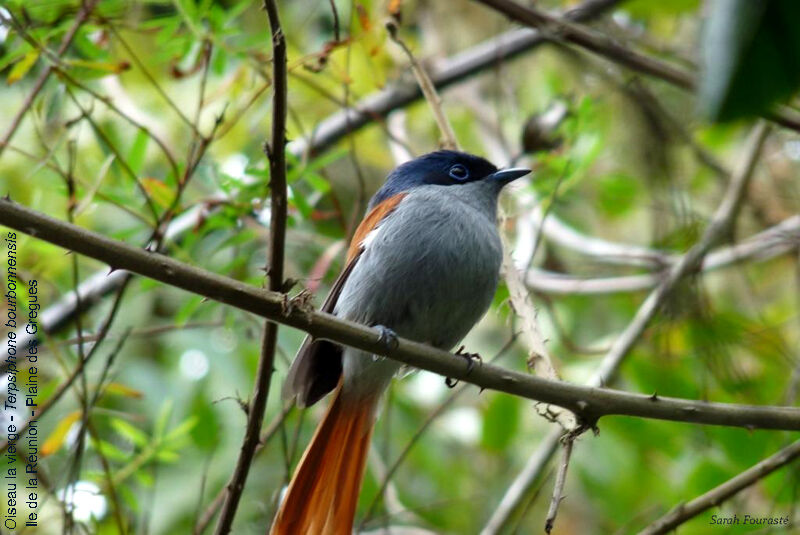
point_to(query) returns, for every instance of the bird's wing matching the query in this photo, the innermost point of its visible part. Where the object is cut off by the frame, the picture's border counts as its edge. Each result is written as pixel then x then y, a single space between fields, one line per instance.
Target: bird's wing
pixel 318 365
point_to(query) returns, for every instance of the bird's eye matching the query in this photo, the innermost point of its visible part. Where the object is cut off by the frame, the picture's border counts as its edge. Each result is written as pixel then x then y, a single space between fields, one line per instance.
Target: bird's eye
pixel 459 172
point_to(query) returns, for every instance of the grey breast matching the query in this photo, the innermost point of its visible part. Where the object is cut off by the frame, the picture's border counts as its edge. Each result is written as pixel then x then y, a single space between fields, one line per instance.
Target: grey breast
pixel 432 269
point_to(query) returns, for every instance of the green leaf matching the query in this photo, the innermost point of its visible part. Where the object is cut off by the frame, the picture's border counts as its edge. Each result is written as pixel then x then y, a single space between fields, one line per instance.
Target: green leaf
pixel 22 67
pixel 158 191
pixel 130 433
pixel 751 57
pixel 163 419
pixel 138 151
pixel 182 430
pixel 110 451
pixel 297 200
pixel 187 310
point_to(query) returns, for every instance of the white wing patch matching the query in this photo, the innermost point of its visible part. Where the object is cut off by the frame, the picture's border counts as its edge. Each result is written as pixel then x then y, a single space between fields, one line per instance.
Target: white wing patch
pixel 369 238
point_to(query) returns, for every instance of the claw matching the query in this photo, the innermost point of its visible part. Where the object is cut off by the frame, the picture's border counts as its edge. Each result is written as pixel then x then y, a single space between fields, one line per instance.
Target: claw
pixel 387 337
pixel 471 359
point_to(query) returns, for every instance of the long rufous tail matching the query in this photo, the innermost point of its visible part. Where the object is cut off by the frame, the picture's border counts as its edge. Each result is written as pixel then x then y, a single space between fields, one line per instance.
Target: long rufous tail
pixel 323 493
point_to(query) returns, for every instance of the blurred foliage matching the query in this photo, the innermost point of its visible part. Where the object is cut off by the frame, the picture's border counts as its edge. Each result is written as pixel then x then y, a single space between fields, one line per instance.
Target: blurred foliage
pixel 160 107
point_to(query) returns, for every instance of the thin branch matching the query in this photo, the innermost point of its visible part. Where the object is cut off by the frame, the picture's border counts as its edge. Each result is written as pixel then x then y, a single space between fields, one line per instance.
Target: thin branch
pixel 686 511
pixel 448 140
pixel 603 45
pixel 109 102
pixel 277 239
pixel 79 368
pixel 83 14
pixel 152 80
pixel 558 487
pixel 91 290
pixel 590 403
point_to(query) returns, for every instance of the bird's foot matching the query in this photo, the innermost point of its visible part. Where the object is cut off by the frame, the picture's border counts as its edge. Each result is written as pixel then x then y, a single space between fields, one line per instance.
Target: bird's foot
pixel 387 337
pixel 472 358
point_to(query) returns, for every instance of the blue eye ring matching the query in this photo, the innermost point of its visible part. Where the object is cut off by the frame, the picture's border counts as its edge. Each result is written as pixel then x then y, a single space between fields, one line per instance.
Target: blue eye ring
pixel 459 172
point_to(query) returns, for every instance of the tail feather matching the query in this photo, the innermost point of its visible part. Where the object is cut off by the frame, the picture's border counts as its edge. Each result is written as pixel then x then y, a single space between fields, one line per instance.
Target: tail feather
pixel 323 493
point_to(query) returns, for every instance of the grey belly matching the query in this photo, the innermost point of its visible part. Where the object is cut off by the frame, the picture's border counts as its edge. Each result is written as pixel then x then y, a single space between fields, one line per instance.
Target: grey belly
pixel 429 275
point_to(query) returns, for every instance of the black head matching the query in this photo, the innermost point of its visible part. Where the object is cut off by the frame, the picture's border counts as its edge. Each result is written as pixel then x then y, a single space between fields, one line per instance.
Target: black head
pixel 442 168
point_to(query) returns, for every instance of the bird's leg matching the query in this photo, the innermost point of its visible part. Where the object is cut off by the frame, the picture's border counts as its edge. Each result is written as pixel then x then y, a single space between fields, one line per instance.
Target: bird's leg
pixel 387 337
pixel 471 359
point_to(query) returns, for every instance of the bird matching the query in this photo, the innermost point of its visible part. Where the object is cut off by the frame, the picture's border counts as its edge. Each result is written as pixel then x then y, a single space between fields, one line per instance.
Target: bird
pixel 423 264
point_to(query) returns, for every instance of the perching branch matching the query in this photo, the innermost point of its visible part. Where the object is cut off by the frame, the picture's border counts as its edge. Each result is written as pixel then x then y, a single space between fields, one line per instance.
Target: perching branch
pixel 686 511
pixel 448 139
pixel 588 402
pixel 603 45
pixel 276 153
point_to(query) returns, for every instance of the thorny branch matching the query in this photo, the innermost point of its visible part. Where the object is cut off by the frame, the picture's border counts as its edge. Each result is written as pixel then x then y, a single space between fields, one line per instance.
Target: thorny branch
pixel 561 479
pixel 277 237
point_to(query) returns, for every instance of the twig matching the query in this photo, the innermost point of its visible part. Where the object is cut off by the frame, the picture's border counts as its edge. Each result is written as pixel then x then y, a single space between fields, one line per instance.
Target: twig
pixel 538 355
pixel 108 101
pixel 335 13
pixel 720 493
pixel 83 14
pixel 428 89
pixel 603 45
pixel 150 78
pixel 558 487
pixel 276 153
pixel 588 402
pixel 96 286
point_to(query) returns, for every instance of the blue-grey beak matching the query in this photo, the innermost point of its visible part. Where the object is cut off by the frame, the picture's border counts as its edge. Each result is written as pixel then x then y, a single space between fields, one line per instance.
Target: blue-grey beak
pixel 508 175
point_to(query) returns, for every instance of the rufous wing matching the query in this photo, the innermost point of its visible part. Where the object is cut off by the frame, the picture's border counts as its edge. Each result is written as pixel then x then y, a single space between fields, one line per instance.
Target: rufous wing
pixel 318 365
